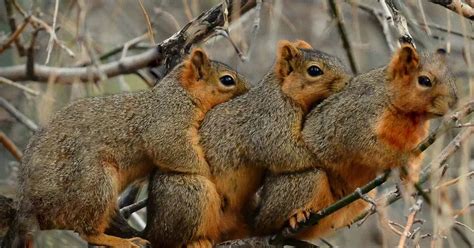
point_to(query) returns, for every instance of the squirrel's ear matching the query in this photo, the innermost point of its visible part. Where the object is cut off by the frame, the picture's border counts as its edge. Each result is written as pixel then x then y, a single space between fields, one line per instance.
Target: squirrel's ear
pixel 287 55
pixel 197 65
pixel 404 62
pixel 302 44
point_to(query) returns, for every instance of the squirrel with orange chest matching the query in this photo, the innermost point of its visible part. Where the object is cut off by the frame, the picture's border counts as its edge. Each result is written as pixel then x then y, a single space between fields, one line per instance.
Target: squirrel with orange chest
pixel 372 125
pixel 74 168
pixel 241 138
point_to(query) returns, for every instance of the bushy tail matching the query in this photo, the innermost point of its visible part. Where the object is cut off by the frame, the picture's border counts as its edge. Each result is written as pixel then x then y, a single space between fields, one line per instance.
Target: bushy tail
pixel 21 225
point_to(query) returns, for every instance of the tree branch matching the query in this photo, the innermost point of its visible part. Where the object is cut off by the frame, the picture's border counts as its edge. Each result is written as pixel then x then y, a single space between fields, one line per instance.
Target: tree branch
pixel 169 51
pixel 336 11
pixel 396 20
pixel 18 115
pixel 10 146
pixel 457 6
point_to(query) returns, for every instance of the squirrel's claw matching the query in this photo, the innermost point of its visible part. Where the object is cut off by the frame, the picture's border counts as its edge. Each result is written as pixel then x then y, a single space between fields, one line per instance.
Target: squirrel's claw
pixel 300 216
pixel 138 242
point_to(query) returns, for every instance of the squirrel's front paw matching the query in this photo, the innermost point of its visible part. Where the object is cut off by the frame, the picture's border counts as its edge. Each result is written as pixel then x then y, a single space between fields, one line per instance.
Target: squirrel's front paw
pixel 300 215
pixel 139 242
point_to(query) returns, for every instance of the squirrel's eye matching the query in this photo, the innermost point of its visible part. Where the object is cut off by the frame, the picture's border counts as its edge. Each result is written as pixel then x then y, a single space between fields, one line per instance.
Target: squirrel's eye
pixel 424 81
pixel 227 80
pixel 315 71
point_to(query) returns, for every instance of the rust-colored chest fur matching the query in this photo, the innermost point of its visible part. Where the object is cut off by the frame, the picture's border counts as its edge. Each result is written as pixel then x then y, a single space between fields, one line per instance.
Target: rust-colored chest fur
pixel 401 132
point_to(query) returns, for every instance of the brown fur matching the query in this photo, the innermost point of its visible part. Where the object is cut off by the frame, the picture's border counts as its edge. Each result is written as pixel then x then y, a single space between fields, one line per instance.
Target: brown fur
pixel 371 125
pixel 300 86
pixel 261 130
pixel 75 167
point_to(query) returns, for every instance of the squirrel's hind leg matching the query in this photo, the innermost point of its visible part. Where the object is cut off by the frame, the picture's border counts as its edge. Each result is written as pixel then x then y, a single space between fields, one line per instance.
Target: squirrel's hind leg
pixel 183 209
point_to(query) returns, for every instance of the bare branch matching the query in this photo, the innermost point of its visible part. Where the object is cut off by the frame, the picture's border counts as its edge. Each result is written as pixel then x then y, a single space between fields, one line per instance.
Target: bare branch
pixel 19 86
pixel 344 36
pixel 18 115
pixel 10 146
pixel 13 37
pixel 51 41
pixel 411 218
pixel 457 6
pixel 172 49
pixel 151 35
pixel 396 20
pixel 129 210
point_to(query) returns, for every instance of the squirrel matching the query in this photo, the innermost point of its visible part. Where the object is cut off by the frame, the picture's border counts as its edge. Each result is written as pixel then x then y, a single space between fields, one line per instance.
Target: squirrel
pixel 74 168
pixel 242 138
pixel 372 125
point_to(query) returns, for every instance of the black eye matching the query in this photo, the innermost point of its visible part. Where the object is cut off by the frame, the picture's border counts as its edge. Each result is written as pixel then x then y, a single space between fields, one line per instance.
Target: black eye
pixel 315 71
pixel 424 81
pixel 227 80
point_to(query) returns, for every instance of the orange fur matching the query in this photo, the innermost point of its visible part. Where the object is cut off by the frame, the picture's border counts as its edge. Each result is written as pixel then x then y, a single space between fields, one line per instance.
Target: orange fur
pixel 286 56
pixel 404 62
pixel 291 69
pixel 302 44
pixel 402 132
pixel 209 225
pixel 296 86
pixel 324 197
pixel 247 180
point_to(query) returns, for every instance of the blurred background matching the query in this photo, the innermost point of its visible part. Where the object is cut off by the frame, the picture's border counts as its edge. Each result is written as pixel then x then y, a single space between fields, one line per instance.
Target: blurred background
pixel 96 31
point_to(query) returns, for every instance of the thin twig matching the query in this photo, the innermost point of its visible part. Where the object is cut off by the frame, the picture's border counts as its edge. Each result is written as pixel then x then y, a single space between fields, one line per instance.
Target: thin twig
pixel 173 49
pixel 255 27
pixel 411 218
pixel 12 23
pixel 454 181
pixel 37 23
pixel 18 115
pixel 13 37
pixel 464 225
pixel 392 225
pixel 344 36
pixel 423 18
pixel 49 49
pixel 127 211
pixel 396 20
pixel 10 146
pixel 379 15
pixel 457 6
pixel 151 35
pixel 19 86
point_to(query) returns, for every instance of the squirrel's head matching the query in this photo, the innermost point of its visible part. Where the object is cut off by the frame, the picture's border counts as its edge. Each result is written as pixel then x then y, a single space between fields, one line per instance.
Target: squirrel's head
pixel 421 84
pixel 210 82
pixel 308 76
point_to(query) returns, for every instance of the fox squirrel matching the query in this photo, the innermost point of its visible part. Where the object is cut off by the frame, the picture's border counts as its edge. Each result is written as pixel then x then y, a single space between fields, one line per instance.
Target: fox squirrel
pixel 372 125
pixel 241 138
pixel 74 169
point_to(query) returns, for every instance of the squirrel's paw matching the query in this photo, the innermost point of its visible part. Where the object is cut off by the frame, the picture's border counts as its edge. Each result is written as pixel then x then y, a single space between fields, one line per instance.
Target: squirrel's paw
pixel 201 243
pixel 299 216
pixel 138 242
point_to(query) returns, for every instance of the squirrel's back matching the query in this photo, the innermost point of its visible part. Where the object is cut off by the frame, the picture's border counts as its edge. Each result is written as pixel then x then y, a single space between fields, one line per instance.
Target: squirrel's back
pixel 344 119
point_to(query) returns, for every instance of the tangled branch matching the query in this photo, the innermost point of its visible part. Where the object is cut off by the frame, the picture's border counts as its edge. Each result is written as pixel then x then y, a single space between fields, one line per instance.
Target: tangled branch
pixel 169 52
